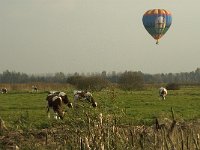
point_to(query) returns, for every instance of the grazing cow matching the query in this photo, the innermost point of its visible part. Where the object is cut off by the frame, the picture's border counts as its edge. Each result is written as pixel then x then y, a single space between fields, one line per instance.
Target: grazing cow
pixel 163 92
pixel 85 95
pixel 4 90
pixel 34 88
pixel 55 101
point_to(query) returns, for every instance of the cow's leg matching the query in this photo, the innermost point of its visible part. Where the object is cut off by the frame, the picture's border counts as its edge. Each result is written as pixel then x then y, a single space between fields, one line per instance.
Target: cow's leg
pixel 55 109
pixel 76 97
pixel 94 103
pixel 56 116
pixel 61 115
pixel 163 97
pixel 60 112
pixel 70 105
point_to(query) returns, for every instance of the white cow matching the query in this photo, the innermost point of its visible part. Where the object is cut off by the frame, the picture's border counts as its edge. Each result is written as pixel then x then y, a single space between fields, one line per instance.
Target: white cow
pixel 163 92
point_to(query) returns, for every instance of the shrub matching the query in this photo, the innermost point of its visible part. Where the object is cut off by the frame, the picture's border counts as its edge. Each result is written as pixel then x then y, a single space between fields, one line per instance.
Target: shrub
pixel 131 80
pixel 93 82
pixel 173 86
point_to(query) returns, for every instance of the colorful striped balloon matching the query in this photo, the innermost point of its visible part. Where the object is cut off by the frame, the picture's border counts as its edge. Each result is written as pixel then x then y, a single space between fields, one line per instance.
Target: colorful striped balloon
pixel 157 22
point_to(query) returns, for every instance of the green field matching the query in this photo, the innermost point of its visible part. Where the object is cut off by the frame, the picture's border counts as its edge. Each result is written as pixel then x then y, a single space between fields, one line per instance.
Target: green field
pixel 25 110
pixel 137 106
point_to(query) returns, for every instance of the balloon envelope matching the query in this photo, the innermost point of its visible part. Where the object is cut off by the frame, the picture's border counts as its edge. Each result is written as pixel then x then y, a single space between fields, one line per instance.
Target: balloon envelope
pixel 157 22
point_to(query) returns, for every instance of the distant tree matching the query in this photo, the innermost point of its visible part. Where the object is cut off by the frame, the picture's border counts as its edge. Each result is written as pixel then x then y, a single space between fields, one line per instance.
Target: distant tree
pixel 128 79
pixel 158 78
pixel 7 77
pixel 60 77
pixel 103 74
pixel 13 77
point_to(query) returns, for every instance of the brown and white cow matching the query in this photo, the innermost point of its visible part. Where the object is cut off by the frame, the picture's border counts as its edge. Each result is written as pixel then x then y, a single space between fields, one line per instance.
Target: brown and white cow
pixel 4 90
pixel 56 101
pixel 163 92
pixel 34 89
pixel 84 95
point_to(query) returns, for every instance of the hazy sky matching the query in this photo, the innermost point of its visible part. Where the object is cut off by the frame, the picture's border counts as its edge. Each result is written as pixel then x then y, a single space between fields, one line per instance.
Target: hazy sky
pixel 48 36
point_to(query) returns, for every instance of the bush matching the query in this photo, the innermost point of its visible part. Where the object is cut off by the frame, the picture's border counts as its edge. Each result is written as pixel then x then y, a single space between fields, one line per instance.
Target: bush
pixel 131 80
pixel 93 82
pixel 173 86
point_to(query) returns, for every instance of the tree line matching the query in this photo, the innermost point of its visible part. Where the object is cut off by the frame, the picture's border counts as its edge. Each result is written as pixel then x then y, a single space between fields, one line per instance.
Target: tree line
pixel 126 80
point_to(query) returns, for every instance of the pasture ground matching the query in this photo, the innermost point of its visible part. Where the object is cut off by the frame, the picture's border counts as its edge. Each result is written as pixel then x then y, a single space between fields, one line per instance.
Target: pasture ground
pixel 127 120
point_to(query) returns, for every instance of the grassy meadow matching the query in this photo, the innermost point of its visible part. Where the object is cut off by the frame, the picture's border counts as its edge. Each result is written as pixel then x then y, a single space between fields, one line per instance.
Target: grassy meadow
pixel 122 120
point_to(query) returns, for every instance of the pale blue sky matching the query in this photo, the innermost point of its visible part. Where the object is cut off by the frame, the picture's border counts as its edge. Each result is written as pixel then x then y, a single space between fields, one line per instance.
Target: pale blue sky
pixel 48 36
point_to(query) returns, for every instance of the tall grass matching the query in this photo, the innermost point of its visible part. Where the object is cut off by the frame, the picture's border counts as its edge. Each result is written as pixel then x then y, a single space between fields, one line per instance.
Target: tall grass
pixel 104 132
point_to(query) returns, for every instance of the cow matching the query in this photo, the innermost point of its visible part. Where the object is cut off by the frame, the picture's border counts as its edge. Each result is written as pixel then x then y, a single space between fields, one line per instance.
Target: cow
pixel 4 90
pixel 34 88
pixel 163 92
pixel 56 101
pixel 84 95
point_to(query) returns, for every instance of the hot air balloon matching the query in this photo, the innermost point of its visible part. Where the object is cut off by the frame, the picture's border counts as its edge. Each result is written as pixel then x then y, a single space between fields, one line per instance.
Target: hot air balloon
pixel 157 22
